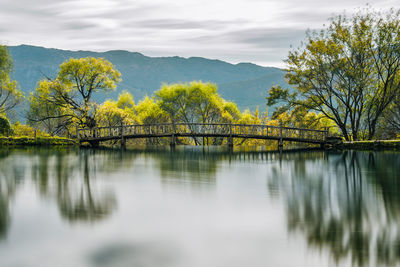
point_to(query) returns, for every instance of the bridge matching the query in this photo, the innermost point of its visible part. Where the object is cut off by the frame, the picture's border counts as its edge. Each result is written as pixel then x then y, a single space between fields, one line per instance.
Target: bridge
pixel 222 130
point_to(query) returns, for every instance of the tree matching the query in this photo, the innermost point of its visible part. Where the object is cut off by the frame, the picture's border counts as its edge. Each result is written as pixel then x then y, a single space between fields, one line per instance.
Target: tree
pixel 392 117
pixel 114 113
pixel 347 72
pixel 196 102
pixel 10 95
pixel 149 111
pixel 68 98
pixel 5 126
pixel 386 61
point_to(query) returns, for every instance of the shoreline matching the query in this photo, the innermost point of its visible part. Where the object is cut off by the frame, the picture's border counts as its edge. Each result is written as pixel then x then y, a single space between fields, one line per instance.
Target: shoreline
pixel 370 145
pixel 38 141
pixel 62 141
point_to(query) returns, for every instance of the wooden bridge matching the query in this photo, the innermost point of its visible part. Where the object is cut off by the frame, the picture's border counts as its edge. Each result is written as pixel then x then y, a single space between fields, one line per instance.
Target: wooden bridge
pixel 229 131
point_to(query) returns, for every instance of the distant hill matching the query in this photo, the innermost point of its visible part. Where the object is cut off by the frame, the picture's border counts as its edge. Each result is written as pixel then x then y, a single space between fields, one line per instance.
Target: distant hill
pixel 244 83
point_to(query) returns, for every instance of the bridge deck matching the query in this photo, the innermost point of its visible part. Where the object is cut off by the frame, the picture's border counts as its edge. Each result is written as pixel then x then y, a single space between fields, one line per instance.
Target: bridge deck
pixel 249 131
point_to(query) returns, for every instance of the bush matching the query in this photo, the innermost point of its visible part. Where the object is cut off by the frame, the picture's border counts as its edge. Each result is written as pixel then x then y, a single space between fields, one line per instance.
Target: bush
pixel 26 130
pixel 5 127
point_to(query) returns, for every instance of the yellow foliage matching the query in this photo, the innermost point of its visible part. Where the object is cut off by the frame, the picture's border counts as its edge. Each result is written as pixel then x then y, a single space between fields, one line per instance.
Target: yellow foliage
pixel 110 114
pixel 26 130
pixel 125 101
pixel 196 102
pixel 148 111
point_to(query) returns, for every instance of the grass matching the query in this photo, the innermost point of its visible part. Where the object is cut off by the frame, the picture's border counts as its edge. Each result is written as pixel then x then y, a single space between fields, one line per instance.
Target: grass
pixel 39 141
pixel 372 144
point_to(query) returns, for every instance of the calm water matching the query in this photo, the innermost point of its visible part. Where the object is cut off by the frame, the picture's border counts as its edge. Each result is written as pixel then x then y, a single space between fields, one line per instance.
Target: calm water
pixel 196 208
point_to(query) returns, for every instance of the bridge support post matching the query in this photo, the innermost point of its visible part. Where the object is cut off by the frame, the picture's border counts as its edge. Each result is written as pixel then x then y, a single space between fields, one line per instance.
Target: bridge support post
pixel 94 143
pixel 77 131
pixel 173 141
pixel 230 138
pixel 280 145
pixel 280 141
pixel 230 141
pixel 123 142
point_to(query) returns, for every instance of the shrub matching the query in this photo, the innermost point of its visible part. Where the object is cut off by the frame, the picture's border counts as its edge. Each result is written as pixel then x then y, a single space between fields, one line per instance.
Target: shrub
pixel 26 130
pixel 5 127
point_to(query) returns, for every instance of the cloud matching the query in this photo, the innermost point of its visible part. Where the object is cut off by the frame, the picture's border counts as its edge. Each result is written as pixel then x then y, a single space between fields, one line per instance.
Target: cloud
pixel 176 24
pixel 261 37
pixel 234 30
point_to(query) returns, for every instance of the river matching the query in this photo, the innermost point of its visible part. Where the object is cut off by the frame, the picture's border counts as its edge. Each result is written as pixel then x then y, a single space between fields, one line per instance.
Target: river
pixel 198 207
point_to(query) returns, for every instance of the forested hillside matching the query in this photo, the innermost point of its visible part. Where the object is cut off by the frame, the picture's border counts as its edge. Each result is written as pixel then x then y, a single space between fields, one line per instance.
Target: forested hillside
pixel 246 84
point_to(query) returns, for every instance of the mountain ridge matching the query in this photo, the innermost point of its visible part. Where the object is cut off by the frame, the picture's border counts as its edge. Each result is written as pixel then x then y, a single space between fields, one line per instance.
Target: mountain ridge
pixel 244 83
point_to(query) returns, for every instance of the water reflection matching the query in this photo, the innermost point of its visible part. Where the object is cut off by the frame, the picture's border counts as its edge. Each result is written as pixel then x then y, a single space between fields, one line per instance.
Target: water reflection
pixel 347 204
pixel 122 255
pixel 69 177
pixel 344 203
pixel 66 176
pixel 8 186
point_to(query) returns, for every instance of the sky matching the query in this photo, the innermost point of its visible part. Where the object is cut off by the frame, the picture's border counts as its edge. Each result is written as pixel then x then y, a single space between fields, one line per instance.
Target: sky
pixel 256 31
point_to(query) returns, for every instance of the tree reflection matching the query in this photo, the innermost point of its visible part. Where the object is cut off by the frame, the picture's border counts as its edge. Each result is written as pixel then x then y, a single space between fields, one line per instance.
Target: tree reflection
pixel 69 177
pixel 7 190
pixel 348 203
pixel 11 175
pixel 85 205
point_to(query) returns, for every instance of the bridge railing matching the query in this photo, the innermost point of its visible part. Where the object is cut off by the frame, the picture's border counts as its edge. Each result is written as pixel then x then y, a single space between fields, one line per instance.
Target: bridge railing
pixel 237 130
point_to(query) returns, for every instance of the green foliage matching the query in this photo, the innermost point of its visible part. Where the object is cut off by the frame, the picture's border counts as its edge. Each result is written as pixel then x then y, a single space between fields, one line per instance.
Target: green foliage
pixel 349 72
pixel 114 113
pixel 5 127
pixel 19 129
pixel 10 95
pixel 57 104
pixel 276 94
pixel 148 111
pixel 125 101
pixel 39 141
pixel 392 119
pixel 372 145
pixel 87 75
pixel 196 102
pixel 241 83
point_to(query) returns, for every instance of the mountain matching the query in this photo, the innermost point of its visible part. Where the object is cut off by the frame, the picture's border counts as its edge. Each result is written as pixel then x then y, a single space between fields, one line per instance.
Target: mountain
pixel 244 83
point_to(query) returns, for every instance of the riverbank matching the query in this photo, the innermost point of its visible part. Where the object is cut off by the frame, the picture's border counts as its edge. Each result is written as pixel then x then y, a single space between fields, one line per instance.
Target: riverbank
pixel 38 141
pixel 371 145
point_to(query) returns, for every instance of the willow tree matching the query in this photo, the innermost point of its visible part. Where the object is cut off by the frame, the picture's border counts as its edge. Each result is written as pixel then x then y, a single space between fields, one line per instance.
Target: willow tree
pixel 196 102
pixel 10 95
pixel 68 98
pixel 149 111
pixel 348 71
pixel 114 113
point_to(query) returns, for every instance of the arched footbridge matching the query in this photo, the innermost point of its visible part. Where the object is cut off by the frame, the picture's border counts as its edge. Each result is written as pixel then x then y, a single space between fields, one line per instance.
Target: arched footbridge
pixel 230 131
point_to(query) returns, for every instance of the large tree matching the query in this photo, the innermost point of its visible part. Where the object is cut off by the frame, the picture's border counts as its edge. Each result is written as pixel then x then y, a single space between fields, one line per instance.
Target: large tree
pixel 67 99
pixel 196 102
pixel 10 94
pixel 385 88
pixel 349 72
pixel 392 119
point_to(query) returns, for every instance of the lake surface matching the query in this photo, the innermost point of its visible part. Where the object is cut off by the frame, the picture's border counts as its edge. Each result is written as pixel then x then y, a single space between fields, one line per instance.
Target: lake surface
pixel 198 208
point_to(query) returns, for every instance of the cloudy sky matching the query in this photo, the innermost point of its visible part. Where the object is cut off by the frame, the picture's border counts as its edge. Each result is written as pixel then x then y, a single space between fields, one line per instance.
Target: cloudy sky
pixel 258 31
